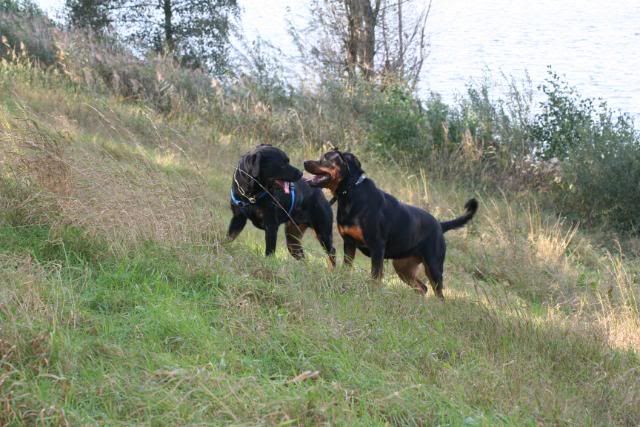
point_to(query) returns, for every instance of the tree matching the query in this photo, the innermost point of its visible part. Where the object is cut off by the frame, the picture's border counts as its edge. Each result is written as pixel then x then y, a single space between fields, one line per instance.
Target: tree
pixel 93 15
pixel 196 32
pixel 360 41
pixel 401 52
pixel 21 7
pixel 366 38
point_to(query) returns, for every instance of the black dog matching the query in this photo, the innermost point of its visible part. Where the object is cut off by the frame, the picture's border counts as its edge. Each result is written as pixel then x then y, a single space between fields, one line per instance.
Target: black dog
pixel 269 191
pixel 382 227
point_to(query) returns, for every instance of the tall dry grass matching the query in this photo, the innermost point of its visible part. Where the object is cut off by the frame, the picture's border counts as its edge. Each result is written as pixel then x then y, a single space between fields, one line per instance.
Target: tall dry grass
pixel 119 191
pixel 187 329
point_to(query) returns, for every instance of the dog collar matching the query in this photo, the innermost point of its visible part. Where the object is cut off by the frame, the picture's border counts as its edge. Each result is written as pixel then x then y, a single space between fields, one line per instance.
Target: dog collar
pixel 359 181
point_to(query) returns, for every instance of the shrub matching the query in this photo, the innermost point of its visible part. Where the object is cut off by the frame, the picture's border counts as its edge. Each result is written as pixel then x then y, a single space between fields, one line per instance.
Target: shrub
pixel 106 65
pixel 102 64
pixel 444 122
pixel 396 123
pixel 483 139
pixel 600 153
pixel 25 29
pixel 567 121
pixel 498 123
pixel 601 183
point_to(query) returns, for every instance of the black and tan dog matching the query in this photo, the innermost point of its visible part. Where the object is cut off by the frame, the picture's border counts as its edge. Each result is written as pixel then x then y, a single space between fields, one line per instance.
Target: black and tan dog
pixel 267 190
pixel 382 227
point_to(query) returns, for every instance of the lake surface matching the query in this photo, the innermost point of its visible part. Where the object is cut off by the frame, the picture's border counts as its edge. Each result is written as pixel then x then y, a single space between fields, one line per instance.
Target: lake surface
pixel 594 44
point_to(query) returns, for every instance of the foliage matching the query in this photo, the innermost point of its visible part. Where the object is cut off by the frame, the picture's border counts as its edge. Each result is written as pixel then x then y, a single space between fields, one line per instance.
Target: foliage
pixel 197 33
pixel 396 123
pixel 601 184
pixel 365 39
pixel 91 15
pixel 481 139
pixel 194 33
pixel 441 120
pixel 568 121
pixel 24 29
pixel 600 153
pixel 21 7
pixel 261 70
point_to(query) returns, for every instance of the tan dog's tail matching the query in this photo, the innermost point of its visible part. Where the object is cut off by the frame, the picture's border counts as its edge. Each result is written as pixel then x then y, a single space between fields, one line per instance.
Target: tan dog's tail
pixel 471 206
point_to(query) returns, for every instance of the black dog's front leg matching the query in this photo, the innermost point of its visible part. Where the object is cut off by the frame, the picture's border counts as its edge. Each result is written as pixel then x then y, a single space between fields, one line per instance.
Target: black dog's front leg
pixel 271 237
pixel 236 226
pixel 377 261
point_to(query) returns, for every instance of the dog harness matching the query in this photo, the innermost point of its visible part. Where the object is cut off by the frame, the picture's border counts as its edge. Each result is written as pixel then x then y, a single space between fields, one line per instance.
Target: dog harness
pixel 251 200
pixel 254 199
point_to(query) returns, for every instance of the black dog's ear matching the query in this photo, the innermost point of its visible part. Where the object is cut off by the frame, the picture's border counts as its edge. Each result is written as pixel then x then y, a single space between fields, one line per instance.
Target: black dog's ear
pixel 252 164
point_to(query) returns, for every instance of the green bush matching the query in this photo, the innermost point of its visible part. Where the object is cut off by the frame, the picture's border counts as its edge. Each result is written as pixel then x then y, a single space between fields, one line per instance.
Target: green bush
pixel 25 30
pixel 444 123
pixel 396 123
pixel 599 151
pixel 568 121
pixel 601 183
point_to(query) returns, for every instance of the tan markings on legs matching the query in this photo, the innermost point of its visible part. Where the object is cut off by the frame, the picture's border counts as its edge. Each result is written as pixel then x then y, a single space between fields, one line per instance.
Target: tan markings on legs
pixel 407 270
pixel 437 287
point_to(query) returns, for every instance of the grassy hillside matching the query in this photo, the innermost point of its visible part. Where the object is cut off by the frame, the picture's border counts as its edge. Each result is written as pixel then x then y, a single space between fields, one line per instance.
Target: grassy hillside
pixel 121 304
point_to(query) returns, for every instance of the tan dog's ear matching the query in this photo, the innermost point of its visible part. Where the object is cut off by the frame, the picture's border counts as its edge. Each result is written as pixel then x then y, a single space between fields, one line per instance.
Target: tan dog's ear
pixel 352 160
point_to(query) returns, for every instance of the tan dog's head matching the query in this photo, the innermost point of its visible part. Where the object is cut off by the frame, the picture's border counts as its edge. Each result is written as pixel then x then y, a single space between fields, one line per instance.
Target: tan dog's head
pixel 332 168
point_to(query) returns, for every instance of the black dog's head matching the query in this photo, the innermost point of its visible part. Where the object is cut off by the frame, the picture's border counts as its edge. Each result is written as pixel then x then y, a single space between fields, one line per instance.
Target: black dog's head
pixel 268 166
pixel 332 168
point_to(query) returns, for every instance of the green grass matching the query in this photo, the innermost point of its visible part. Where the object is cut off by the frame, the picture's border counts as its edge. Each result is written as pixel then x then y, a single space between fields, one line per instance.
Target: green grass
pixel 120 304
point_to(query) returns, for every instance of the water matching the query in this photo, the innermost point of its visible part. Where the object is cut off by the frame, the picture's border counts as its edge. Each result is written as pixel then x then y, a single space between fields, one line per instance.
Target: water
pixel 594 44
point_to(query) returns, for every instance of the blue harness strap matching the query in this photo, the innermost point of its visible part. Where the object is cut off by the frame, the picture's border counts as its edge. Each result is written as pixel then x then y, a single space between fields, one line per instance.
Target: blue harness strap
pixel 293 199
pixel 234 200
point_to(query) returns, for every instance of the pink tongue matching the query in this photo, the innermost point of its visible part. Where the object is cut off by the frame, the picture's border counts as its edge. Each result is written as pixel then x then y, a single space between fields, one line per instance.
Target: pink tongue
pixel 286 187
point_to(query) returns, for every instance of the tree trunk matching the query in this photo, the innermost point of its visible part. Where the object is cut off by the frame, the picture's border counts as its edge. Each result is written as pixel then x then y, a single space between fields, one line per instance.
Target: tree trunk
pixel 361 41
pixel 168 26
pixel 400 39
